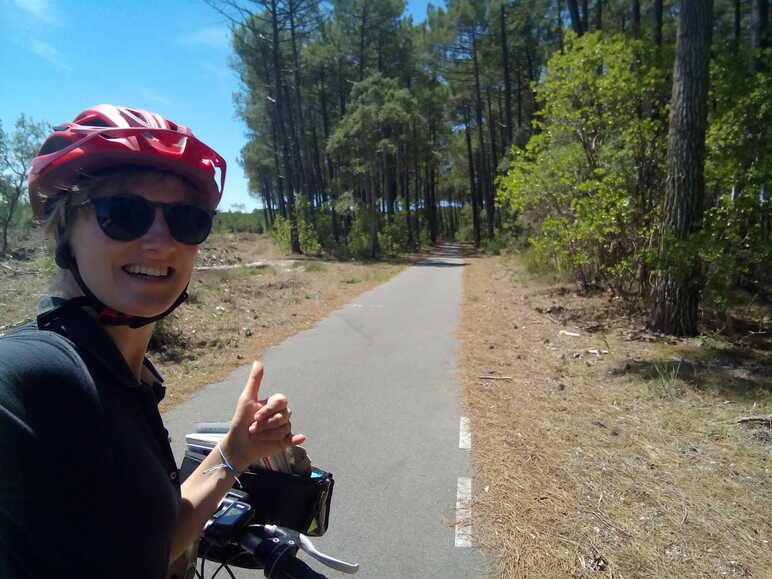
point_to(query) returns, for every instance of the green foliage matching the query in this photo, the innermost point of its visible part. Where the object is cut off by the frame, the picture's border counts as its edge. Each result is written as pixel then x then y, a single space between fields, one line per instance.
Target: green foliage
pixel 239 222
pixel 358 240
pixel 309 239
pixel 392 238
pixel 737 246
pixel 739 154
pixel 585 184
pixel 466 231
pixel 281 233
pixel 374 125
pixel 16 154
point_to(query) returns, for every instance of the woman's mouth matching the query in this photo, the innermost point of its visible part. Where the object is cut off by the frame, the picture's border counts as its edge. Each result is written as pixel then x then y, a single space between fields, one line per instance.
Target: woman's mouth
pixel 147 271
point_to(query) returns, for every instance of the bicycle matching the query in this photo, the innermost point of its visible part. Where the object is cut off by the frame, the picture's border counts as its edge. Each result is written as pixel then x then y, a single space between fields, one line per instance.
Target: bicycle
pixel 231 537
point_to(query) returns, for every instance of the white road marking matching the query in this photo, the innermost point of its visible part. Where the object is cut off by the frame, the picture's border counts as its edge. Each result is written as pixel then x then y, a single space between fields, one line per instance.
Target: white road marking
pixel 464 512
pixel 464 435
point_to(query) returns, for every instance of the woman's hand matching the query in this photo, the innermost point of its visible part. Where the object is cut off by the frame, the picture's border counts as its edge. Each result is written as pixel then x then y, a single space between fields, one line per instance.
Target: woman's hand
pixel 259 428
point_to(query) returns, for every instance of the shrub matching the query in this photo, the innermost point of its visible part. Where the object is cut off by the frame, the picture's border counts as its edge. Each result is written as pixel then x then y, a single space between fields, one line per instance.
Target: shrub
pixel 586 182
pixel 168 341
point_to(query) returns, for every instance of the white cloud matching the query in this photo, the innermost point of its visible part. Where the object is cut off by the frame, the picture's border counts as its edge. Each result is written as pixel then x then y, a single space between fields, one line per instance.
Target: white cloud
pixel 150 95
pixel 212 36
pixel 221 76
pixel 41 9
pixel 48 53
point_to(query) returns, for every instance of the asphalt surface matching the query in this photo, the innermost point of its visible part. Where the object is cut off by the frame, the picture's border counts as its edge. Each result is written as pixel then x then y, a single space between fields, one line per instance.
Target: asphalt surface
pixel 373 386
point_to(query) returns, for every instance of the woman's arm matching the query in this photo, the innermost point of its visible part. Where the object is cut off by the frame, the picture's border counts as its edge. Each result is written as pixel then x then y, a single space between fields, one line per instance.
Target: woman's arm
pixel 259 428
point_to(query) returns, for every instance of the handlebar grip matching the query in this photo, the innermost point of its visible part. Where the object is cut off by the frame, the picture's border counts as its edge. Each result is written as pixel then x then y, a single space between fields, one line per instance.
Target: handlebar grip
pixel 278 562
pixel 294 568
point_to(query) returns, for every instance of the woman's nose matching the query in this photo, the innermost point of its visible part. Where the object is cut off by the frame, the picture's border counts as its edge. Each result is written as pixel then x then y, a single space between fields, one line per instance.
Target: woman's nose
pixel 159 233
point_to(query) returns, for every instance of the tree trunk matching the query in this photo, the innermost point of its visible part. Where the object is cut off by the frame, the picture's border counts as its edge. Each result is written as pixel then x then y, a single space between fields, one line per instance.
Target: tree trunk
pixel 507 76
pixel 657 35
pixel 636 13
pixel 759 28
pixel 599 15
pixel 483 172
pixel 433 213
pixel 301 141
pixel 363 41
pixel 472 183
pixel 678 286
pixel 576 20
pixel 6 225
pixel 373 219
pixel 278 104
pixel 492 122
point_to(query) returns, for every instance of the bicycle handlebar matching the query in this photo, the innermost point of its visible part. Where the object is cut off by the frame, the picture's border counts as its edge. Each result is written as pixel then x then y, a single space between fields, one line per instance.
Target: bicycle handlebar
pixel 277 557
pixel 272 548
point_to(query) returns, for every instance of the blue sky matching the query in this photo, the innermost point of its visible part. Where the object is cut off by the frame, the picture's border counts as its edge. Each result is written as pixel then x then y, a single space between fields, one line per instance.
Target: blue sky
pixel 59 57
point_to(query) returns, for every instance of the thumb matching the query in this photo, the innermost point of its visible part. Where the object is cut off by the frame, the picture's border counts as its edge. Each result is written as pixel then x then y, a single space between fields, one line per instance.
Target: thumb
pixel 252 388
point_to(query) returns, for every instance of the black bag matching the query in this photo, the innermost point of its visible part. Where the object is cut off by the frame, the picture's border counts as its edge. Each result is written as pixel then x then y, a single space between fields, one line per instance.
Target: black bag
pixel 296 501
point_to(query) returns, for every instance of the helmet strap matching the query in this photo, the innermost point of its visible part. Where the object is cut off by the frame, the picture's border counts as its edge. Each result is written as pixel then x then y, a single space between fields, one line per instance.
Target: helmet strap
pixel 105 314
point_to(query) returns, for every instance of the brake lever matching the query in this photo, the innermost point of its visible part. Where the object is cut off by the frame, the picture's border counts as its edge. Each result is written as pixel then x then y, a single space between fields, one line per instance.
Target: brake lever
pixel 270 531
pixel 332 562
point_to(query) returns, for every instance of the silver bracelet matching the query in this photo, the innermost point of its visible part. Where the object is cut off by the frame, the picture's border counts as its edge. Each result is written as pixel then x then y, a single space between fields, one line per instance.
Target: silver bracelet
pixel 227 466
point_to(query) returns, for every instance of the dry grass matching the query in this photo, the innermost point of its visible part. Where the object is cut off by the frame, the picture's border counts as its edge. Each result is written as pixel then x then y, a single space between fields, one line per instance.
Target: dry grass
pixel 623 464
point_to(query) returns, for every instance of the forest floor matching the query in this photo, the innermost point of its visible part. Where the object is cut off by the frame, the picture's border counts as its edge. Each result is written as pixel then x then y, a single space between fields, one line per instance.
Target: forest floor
pixel 598 448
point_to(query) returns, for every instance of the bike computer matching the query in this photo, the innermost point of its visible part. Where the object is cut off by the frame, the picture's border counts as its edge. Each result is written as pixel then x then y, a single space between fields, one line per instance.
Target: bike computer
pixel 231 516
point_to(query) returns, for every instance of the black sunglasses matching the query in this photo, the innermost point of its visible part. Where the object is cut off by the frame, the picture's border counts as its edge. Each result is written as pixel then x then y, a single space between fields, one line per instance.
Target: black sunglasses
pixel 126 217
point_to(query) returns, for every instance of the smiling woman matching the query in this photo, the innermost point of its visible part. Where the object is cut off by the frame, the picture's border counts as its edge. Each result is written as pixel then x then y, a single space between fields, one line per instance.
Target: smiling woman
pixel 128 196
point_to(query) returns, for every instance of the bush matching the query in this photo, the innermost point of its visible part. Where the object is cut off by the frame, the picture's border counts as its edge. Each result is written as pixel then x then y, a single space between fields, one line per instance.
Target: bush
pixel 585 183
pixel 392 239
pixel 358 240
pixel 168 341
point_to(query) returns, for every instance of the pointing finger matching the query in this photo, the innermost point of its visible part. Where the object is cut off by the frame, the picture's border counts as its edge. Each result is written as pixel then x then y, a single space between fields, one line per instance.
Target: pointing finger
pixel 252 388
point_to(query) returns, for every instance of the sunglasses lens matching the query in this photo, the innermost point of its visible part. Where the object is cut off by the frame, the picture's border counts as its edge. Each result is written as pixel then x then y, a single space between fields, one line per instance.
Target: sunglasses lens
pixel 124 217
pixel 188 224
pixel 129 217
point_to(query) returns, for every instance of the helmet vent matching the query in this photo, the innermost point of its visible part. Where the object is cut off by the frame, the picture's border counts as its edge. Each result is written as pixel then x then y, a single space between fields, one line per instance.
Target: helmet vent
pixel 54 144
pixel 97 122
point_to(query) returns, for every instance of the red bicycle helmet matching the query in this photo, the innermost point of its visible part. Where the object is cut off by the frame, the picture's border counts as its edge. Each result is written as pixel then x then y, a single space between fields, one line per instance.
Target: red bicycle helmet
pixel 107 135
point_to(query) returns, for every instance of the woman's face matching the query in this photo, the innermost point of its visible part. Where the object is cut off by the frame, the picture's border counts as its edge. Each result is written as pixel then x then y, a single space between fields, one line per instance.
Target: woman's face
pixel 142 277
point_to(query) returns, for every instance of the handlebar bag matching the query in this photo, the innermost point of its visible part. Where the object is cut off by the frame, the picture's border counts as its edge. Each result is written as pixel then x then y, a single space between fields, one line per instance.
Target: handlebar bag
pixel 300 502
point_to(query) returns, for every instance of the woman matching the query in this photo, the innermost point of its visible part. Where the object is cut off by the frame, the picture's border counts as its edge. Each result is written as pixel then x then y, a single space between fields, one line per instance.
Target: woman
pixel 89 487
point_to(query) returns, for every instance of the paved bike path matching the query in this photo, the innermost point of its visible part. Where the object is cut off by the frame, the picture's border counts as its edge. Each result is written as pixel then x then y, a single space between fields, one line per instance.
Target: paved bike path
pixel 373 387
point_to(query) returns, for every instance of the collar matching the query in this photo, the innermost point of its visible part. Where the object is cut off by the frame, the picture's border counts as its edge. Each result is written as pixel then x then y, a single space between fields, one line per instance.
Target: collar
pixel 70 319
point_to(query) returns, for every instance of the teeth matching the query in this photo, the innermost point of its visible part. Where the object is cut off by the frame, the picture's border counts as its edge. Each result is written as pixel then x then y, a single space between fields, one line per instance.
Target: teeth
pixel 149 271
